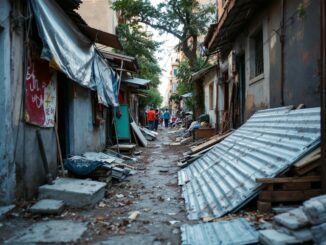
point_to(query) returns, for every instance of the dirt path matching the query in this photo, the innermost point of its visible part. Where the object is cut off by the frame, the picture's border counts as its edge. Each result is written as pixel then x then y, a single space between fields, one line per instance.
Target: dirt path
pixel 152 191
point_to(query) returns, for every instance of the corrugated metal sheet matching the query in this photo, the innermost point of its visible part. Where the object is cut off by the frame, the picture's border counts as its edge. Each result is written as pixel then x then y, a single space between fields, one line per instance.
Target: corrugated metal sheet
pixel 237 231
pixel 223 180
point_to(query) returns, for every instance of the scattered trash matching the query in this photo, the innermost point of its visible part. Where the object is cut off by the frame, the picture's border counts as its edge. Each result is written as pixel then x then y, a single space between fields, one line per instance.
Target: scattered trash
pixel 134 215
pixel 173 222
pixel 120 196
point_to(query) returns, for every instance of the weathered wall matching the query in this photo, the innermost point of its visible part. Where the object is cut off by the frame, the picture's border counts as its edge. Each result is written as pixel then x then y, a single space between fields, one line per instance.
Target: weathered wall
pixel 21 166
pixel 257 88
pixel 84 136
pixel 210 78
pixel 301 53
pixel 99 14
pixel 7 166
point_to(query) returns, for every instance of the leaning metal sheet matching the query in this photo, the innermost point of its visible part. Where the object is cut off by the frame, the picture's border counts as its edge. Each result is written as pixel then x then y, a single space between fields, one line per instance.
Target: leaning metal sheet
pixel 223 179
pixel 237 231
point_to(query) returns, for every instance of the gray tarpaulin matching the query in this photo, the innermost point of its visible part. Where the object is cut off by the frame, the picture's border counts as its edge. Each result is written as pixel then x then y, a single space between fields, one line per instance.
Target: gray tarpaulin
pixel 66 48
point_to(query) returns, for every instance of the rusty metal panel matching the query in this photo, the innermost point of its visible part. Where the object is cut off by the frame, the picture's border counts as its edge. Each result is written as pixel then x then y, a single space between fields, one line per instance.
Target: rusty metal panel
pixel 237 231
pixel 223 180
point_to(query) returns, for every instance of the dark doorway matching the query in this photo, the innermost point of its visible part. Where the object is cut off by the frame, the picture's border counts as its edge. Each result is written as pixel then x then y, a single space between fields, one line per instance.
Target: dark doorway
pixel 242 86
pixel 64 85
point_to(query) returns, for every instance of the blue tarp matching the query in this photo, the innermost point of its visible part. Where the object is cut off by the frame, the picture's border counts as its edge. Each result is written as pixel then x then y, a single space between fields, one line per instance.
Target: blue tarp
pixel 68 50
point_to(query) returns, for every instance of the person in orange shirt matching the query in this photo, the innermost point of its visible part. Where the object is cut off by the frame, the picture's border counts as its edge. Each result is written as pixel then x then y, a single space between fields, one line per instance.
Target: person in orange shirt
pixel 151 118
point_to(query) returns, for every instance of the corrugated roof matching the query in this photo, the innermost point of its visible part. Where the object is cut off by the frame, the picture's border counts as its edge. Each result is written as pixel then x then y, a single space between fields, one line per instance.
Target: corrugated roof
pixel 237 231
pixel 223 179
pixel 199 74
pixel 137 81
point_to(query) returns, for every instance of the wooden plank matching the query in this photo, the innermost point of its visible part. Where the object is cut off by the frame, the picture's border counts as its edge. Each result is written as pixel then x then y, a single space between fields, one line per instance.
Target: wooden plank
pixel 209 143
pixel 296 186
pixel 124 146
pixel 307 168
pixel 139 134
pixel 288 196
pixel 310 158
pixel 289 180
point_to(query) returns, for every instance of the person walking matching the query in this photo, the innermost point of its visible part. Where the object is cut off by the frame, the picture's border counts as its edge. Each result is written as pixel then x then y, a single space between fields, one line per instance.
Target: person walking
pixel 151 118
pixel 166 117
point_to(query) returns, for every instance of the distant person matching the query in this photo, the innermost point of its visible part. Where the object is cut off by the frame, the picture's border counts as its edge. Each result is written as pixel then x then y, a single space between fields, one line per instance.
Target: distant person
pixel 157 118
pixel 151 118
pixel 166 117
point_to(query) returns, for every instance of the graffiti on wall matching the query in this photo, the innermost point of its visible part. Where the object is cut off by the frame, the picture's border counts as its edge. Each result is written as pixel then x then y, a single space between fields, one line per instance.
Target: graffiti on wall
pixel 40 93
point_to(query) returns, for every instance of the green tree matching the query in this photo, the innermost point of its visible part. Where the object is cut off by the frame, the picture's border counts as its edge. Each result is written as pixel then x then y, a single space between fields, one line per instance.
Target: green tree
pixel 184 19
pixel 138 43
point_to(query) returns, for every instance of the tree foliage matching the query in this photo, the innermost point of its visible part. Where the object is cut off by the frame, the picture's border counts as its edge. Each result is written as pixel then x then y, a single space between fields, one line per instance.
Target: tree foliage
pixel 137 43
pixel 184 19
pixel 153 98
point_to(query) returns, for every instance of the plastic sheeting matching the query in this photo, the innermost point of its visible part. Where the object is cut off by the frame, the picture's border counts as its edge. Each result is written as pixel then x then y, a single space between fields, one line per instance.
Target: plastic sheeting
pixel 68 50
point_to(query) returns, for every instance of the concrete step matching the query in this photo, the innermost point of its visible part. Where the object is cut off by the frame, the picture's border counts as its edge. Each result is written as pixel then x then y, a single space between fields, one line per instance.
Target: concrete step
pixel 48 206
pixel 74 192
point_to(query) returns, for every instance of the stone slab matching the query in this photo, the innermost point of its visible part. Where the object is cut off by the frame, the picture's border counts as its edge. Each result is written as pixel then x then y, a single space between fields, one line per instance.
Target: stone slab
pixel 129 239
pixel 315 209
pixel 294 219
pixel 55 231
pixel 273 237
pixel 319 234
pixel 74 192
pixel 48 206
pixel 302 235
pixel 5 209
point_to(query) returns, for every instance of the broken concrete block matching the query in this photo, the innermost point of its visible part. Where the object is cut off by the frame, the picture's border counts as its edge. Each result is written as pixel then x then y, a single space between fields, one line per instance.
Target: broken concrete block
pixel 134 215
pixel 74 192
pixel 315 209
pixel 273 237
pixel 319 234
pixel 48 206
pixel 302 235
pixel 293 219
pixel 55 231
pixel 6 209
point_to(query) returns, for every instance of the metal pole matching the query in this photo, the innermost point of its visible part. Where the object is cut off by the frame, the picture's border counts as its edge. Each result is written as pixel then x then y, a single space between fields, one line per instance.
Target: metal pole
pixel 323 90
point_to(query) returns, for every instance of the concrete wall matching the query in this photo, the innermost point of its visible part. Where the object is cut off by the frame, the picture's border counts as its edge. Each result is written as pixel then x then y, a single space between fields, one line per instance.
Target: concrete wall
pixel 257 88
pixel 302 52
pixel 98 14
pixel 7 166
pixel 84 136
pixel 209 79
pixel 21 166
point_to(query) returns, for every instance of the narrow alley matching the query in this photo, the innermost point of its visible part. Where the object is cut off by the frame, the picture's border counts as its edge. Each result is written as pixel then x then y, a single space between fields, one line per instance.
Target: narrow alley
pixel 163 122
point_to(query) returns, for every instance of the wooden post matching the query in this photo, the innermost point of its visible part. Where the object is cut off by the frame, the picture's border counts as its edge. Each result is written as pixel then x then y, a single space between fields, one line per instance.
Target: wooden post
pixel 323 91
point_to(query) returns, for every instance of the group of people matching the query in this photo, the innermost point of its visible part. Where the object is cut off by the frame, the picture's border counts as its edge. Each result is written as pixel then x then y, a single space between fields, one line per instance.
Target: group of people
pixel 154 117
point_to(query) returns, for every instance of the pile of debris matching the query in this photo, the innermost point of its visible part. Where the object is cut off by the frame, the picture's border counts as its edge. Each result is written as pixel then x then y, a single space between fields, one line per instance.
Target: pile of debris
pixel 199 148
pixel 301 225
pixel 143 134
pixel 102 166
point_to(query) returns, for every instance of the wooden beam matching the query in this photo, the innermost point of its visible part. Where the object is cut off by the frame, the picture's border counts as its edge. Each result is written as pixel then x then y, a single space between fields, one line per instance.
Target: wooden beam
pixel 288 196
pixel 289 180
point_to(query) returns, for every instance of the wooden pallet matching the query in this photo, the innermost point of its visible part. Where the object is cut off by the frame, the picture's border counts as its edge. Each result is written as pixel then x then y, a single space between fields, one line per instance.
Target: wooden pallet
pixel 287 190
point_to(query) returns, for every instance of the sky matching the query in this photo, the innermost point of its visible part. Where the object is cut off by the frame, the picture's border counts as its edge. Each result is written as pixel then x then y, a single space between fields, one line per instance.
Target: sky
pixel 163 56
